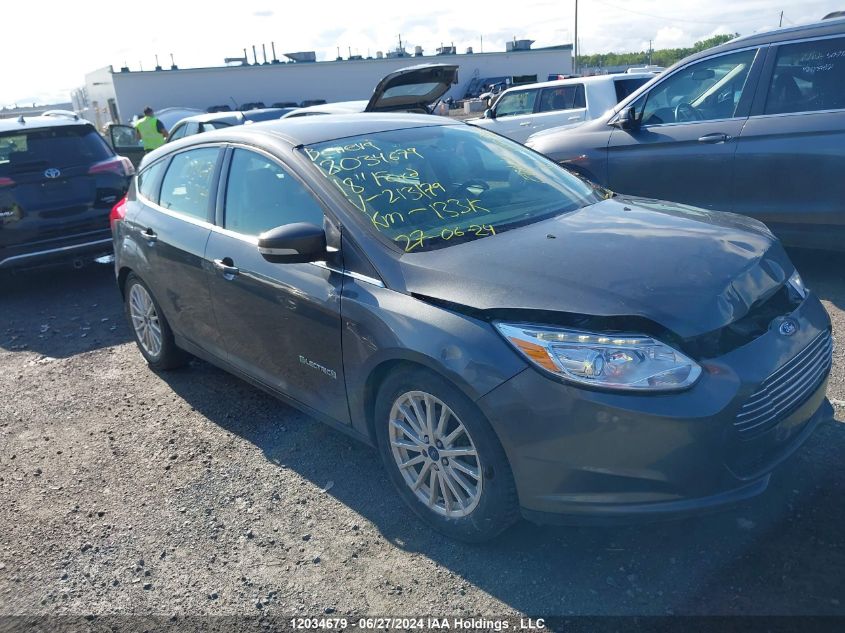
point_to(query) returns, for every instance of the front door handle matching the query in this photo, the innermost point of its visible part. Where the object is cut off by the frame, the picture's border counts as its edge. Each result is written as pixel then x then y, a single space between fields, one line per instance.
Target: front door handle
pixel 226 266
pixel 524 124
pixel 714 138
pixel 149 235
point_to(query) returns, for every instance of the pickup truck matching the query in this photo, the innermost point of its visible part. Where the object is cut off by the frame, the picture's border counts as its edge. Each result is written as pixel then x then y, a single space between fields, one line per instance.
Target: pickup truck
pixel 521 111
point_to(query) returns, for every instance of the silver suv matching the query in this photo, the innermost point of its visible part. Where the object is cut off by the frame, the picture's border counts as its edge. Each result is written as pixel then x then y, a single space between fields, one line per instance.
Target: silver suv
pixel 755 126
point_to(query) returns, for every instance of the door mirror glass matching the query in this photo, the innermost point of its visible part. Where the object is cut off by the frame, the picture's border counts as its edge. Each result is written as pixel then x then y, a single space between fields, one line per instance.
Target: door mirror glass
pixel 627 119
pixel 296 243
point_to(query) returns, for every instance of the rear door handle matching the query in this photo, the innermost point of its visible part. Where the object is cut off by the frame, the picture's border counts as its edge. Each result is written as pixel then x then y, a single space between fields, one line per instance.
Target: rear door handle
pixel 149 235
pixel 714 138
pixel 225 266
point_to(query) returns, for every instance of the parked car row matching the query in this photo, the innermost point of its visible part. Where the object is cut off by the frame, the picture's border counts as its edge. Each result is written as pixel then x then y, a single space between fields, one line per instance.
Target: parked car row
pixel 515 339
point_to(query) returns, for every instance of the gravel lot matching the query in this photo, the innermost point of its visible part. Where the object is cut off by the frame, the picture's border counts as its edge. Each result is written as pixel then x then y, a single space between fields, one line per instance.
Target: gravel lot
pixel 190 492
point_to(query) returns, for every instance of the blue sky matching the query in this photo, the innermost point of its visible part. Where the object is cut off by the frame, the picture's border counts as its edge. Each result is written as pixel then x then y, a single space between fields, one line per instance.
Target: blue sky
pixel 45 61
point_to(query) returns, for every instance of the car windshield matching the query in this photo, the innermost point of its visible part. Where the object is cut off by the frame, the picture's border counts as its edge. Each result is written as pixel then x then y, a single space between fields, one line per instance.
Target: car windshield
pixel 425 188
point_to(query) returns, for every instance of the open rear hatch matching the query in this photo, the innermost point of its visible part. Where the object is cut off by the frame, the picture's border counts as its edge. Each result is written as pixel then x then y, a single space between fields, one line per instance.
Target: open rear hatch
pixel 414 88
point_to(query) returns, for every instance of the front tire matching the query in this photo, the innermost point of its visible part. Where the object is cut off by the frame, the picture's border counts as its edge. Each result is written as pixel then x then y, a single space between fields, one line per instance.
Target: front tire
pixel 150 328
pixel 443 456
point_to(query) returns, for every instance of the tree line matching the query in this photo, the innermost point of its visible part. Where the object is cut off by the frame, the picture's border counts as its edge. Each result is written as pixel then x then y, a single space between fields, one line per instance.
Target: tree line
pixel 663 57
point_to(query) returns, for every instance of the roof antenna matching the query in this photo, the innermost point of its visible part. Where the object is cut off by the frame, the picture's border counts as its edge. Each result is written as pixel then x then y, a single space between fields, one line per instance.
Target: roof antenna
pixel 273 47
pixel 254 55
pixel 173 65
pixel 264 51
pixel 20 119
pixel 158 66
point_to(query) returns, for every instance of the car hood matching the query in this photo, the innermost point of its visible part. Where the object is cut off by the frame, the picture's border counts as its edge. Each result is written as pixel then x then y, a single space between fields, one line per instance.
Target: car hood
pixel 415 87
pixel 689 270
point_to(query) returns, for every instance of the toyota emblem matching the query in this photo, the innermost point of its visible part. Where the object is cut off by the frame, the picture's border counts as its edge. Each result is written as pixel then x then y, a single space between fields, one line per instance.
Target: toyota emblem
pixel 788 327
pixel 52 173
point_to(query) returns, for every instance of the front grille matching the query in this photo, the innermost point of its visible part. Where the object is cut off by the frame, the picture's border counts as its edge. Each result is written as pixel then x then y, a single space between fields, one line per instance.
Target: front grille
pixel 787 389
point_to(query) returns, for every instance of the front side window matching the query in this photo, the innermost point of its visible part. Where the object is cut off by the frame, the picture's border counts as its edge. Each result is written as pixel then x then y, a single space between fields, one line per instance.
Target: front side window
pixel 563 98
pixel 261 195
pixel 426 188
pixel 178 132
pixel 186 187
pixel 808 77
pixel 705 91
pixel 521 102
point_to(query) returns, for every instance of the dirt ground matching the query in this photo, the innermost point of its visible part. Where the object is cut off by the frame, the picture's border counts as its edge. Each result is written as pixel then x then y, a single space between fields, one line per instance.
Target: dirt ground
pixel 190 492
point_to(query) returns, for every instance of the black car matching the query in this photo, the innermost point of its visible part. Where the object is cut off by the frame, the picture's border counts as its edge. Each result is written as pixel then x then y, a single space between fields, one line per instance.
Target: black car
pixel 509 336
pixel 58 181
pixel 755 126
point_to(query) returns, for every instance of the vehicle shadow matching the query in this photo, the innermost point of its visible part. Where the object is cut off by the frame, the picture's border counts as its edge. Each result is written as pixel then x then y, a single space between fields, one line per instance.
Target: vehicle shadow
pixel 60 311
pixel 822 272
pixel 781 553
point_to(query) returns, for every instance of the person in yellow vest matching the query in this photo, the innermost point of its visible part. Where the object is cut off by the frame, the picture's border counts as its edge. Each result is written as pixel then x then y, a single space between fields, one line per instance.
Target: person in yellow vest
pixel 151 132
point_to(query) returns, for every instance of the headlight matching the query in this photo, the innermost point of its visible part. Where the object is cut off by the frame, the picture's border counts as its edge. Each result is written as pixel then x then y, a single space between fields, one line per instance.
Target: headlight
pixel 612 361
pixel 798 285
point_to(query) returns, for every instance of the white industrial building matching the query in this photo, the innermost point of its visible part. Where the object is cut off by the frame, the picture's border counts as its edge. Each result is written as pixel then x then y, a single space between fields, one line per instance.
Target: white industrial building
pixel 110 96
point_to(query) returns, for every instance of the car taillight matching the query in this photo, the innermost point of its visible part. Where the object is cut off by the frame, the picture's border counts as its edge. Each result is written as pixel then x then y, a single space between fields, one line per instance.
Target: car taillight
pixel 119 165
pixel 118 212
pixel 6 182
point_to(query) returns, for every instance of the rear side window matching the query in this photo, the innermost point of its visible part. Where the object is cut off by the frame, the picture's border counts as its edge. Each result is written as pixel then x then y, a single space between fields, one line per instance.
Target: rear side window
pixel 627 87
pixel 261 195
pixel 148 180
pixel 187 183
pixel 521 102
pixel 60 147
pixel 563 98
pixel 809 76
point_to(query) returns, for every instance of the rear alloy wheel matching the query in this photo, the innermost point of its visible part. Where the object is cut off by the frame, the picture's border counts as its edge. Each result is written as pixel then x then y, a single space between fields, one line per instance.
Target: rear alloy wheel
pixel 443 456
pixel 152 332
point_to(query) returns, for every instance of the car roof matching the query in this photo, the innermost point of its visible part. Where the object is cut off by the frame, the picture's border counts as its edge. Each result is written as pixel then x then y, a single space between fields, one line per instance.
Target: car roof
pixel 834 26
pixel 307 130
pixel 24 123
pixel 581 80
pixel 338 107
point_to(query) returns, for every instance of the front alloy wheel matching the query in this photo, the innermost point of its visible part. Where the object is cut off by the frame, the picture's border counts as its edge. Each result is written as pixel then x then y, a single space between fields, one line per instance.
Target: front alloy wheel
pixel 443 456
pixel 435 454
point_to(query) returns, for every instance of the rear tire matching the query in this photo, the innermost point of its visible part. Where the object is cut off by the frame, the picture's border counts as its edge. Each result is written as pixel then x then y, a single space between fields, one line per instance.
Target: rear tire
pixel 443 457
pixel 150 328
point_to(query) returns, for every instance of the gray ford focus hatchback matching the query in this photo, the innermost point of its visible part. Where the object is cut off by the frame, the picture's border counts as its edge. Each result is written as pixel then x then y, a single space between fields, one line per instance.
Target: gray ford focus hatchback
pixel 512 339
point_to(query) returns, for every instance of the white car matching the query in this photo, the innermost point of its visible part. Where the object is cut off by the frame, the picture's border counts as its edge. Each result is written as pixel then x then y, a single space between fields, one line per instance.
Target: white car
pixel 521 111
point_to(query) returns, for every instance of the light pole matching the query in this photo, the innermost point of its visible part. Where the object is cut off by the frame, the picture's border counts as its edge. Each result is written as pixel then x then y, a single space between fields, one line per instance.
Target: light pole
pixel 575 44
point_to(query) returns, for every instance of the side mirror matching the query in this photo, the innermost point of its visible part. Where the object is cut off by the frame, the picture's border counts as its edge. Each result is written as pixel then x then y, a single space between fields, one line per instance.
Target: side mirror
pixel 296 243
pixel 627 119
pixel 489 113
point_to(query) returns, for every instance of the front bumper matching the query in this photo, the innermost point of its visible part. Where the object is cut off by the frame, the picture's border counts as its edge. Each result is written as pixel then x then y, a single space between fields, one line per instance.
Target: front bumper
pixel 596 456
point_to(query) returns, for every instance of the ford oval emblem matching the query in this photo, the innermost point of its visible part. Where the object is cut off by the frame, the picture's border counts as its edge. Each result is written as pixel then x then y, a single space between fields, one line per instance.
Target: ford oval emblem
pixel 788 327
pixel 52 173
